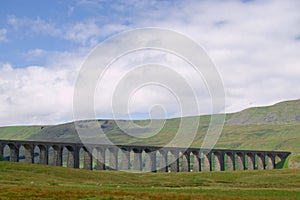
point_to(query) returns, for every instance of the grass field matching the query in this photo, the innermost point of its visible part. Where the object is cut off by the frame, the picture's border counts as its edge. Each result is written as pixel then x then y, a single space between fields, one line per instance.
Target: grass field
pixel 23 181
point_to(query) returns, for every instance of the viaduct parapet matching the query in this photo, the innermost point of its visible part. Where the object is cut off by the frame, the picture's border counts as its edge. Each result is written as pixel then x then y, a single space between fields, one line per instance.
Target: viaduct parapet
pixel 139 158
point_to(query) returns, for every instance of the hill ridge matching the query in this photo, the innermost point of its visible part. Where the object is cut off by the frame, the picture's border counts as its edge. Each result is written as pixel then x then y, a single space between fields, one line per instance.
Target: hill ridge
pixel 274 127
pixel 279 113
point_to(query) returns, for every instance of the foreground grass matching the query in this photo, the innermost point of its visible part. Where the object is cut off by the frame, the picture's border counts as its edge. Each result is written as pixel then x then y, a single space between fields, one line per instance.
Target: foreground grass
pixel 22 181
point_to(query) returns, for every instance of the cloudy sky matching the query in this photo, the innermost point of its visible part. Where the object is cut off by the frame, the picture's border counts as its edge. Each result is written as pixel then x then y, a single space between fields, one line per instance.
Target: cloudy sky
pixel 255 46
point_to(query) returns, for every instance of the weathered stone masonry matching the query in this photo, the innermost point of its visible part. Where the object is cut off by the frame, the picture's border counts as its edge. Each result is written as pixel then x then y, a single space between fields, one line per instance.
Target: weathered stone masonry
pixel 139 158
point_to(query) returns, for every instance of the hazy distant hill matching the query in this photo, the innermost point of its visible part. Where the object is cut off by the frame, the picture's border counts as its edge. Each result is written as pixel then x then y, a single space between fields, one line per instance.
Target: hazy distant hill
pixel 274 127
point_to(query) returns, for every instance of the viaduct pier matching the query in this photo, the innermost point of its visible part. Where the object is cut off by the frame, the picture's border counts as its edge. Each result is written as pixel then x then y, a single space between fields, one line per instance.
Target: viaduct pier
pixel 138 158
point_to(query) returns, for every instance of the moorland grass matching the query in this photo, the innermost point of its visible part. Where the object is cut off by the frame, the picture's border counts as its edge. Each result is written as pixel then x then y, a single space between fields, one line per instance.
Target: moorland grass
pixel 23 181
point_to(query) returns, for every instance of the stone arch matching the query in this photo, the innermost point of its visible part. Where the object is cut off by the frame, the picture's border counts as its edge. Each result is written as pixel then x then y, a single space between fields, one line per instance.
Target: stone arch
pixel 251 161
pixel 218 161
pixel 10 152
pixel 21 153
pixel 153 159
pixel 260 161
pixel 280 160
pixel 51 160
pixel 100 158
pixel 94 158
pixel 85 158
pixel 42 156
pixel 173 161
pixel 150 160
pixel 68 156
pixel 162 160
pixel 1 150
pixel 137 159
pixel 124 158
pixel 36 154
pixel 179 160
pixel 270 161
pixel 230 161
pixel 14 152
pixel 157 161
pixel 113 157
pixel 240 161
pixel 176 156
pixel 132 158
pixel 29 153
pixel 201 160
pixel 184 158
pixel 65 157
pixel 55 155
pixel 5 152
pixel 107 159
pixel 26 153
pixel 207 161
pixel 196 160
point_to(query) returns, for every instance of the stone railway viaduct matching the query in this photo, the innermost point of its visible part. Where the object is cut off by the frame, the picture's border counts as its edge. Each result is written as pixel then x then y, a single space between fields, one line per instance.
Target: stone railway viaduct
pixel 139 158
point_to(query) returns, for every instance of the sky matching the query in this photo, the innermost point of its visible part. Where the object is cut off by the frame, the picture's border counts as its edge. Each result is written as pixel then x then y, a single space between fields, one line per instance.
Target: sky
pixel 255 46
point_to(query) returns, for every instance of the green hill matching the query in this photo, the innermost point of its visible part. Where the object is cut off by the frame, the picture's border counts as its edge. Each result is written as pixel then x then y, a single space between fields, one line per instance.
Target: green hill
pixel 275 127
pixel 281 113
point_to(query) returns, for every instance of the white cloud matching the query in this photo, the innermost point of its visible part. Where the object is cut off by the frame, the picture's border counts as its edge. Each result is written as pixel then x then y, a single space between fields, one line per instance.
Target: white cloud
pixel 86 32
pixel 162 86
pixel 81 32
pixel 254 46
pixel 35 95
pixel 70 10
pixel 3 33
pixel 39 94
pixel 34 54
pixel 37 25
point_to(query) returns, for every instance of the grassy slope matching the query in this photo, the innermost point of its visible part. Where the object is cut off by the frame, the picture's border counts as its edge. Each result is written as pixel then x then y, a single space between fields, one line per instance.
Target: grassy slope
pixel 265 137
pixel 274 127
pixel 21 180
pixel 280 113
pixel 19 132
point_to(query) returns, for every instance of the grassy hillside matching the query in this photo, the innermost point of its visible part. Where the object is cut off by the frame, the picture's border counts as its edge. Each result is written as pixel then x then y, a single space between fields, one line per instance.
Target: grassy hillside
pixel 22 181
pixel 19 132
pixel 280 113
pixel 274 127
